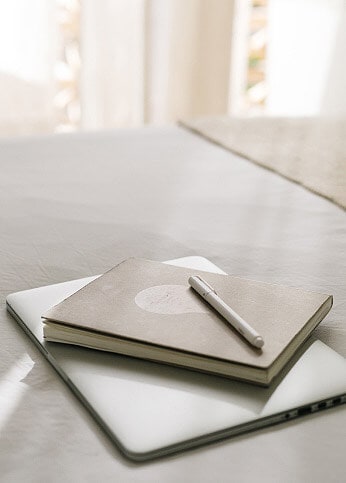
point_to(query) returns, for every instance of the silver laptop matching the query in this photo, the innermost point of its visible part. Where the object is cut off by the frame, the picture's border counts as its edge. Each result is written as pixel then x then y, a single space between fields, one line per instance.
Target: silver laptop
pixel 151 409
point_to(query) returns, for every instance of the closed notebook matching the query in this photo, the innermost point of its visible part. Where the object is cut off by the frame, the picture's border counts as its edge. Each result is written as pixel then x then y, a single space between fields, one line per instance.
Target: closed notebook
pixel 146 309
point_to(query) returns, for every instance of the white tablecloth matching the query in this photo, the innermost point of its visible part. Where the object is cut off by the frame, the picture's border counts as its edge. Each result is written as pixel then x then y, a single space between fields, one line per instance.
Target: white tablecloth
pixel 75 205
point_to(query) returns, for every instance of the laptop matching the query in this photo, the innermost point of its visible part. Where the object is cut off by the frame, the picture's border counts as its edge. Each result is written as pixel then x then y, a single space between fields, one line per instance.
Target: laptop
pixel 150 409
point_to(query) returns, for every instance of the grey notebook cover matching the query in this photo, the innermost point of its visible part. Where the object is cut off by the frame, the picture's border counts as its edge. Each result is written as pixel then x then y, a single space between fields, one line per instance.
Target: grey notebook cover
pixel 151 302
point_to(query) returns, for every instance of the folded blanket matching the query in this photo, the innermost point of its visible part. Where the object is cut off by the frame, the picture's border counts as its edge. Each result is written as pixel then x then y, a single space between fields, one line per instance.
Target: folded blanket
pixel 308 151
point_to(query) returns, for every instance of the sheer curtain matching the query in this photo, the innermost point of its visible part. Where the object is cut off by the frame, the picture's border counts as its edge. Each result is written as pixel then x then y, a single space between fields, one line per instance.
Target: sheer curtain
pixel 155 61
pixel 142 61
pixel 27 58
pixel 306 57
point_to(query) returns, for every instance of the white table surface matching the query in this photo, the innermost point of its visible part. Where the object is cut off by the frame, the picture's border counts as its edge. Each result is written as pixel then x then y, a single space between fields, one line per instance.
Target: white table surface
pixel 75 205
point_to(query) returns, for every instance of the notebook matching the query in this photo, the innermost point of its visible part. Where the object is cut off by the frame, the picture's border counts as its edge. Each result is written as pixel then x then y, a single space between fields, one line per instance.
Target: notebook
pixel 150 410
pixel 146 309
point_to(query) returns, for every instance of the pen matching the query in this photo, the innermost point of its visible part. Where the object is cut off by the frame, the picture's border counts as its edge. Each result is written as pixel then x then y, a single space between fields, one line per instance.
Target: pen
pixel 209 295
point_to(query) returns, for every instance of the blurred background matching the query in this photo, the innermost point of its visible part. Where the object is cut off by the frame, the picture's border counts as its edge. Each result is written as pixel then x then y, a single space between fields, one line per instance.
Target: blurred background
pixel 67 65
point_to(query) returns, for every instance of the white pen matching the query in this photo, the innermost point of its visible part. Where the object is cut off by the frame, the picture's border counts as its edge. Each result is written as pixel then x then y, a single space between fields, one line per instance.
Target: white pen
pixel 209 295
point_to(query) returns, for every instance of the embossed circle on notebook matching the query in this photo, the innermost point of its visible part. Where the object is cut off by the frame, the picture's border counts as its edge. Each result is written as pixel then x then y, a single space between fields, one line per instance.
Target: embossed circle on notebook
pixel 170 299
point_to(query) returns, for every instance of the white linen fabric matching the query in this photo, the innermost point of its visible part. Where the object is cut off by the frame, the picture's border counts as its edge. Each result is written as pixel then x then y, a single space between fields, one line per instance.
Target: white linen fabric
pixel 73 206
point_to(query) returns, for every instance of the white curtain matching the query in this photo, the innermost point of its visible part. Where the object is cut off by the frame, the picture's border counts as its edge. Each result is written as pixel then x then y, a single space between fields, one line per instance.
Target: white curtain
pixel 142 61
pixel 27 59
pixel 154 61
pixel 333 101
pixel 306 57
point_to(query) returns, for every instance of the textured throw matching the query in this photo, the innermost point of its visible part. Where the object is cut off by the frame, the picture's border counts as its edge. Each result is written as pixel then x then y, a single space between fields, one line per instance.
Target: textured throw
pixel 308 151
